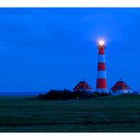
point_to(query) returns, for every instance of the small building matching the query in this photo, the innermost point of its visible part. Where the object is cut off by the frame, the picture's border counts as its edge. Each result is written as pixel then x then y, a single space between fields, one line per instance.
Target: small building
pixel 121 88
pixel 82 86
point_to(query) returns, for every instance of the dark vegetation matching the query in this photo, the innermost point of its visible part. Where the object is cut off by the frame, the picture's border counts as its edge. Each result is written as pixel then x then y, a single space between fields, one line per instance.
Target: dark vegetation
pixel 67 94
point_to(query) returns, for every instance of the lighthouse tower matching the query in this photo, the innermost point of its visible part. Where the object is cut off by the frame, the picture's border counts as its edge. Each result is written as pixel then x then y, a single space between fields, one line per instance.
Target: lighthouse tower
pixel 101 85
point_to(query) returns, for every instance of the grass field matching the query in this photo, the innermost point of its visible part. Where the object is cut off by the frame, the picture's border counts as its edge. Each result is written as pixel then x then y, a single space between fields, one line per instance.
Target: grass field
pixel 100 114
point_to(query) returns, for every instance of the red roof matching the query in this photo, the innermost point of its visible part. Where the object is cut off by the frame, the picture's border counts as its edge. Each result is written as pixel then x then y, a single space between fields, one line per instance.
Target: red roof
pixel 82 85
pixel 120 85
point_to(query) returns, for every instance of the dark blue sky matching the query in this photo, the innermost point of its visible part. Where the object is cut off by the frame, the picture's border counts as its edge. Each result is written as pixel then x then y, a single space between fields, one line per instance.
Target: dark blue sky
pixel 43 49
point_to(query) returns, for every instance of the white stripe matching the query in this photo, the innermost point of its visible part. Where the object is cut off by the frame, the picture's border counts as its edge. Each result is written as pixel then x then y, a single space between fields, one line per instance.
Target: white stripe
pixel 100 90
pixel 101 74
pixel 101 58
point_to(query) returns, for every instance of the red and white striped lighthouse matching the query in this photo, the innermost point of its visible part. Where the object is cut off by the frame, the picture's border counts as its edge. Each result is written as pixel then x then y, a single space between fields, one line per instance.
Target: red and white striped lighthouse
pixel 101 85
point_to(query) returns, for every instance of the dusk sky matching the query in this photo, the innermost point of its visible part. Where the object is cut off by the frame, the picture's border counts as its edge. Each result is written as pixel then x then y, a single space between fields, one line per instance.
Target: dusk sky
pixel 43 49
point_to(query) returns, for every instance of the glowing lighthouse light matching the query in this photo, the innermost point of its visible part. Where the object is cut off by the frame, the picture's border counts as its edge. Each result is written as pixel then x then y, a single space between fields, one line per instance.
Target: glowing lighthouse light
pixel 101 42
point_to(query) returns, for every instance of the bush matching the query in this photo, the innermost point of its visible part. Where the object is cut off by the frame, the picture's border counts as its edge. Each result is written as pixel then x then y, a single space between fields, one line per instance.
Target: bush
pixel 56 95
pixel 65 94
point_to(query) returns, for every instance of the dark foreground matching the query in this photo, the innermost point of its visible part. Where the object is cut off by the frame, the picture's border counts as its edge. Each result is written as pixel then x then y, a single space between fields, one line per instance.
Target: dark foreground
pixel 100 114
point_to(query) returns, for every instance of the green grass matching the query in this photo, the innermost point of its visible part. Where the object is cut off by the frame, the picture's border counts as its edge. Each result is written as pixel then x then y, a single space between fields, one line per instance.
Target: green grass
pixel 100 114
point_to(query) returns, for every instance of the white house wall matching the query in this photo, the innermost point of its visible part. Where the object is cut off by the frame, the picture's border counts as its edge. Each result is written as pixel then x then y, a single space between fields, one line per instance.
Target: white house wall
pixel 121 92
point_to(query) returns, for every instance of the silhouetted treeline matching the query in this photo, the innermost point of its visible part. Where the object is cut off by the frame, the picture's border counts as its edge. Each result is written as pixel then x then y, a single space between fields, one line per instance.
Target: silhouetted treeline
pixel 67 94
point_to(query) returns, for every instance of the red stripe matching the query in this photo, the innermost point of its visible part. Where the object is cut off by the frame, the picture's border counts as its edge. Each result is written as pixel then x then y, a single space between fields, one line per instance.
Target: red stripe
pixel 101 83
pixel 101 66
pixel 101 50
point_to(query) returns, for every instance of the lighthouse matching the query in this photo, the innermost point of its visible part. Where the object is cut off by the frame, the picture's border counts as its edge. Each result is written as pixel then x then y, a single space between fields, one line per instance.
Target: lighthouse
pixel 101 85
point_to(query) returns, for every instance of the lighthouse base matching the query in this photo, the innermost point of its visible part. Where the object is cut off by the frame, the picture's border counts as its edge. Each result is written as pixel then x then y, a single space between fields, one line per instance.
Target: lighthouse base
pixel 102 91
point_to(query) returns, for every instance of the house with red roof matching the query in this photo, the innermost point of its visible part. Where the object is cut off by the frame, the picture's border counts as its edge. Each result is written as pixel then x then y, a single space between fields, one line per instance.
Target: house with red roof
pixel 121 88
pixel 82 86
